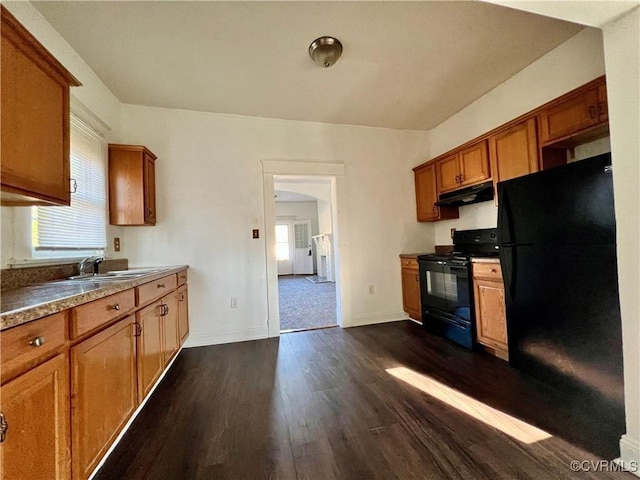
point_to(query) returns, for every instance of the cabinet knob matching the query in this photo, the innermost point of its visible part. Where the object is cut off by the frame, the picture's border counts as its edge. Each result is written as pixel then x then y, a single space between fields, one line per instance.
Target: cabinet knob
pixel 3 428
pixel 37 342
pixel 492 270
pixel 115 307
pixel 161 285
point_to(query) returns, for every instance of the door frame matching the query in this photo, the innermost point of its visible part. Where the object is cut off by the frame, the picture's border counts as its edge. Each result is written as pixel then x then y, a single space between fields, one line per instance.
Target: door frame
pixel 339 218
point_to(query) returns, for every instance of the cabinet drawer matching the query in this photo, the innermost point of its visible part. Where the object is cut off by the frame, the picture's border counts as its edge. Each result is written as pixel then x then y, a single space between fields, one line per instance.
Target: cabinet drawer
pixel 182 277
pixel 92 315
pixel 409 262
pixel 156 289
pixel 487 270
pixel 26 345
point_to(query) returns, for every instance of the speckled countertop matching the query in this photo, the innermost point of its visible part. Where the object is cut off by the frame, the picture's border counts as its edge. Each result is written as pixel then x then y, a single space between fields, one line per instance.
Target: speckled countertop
pixel 22 305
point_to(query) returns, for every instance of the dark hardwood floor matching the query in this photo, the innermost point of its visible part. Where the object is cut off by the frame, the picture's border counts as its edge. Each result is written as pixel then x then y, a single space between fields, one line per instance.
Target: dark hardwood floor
pixel 328 404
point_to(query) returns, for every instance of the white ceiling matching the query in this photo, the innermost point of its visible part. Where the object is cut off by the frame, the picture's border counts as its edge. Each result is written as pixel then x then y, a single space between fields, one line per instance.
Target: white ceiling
pixel 406 65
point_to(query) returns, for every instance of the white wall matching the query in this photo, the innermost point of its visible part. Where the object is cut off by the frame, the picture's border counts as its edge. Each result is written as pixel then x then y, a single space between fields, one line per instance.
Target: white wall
pixel 93 102
pixel 209 188
pixel 574 63
pixel 622 57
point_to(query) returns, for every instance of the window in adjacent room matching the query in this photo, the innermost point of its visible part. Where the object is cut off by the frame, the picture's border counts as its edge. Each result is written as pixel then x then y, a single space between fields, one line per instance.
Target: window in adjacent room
pixel 79 229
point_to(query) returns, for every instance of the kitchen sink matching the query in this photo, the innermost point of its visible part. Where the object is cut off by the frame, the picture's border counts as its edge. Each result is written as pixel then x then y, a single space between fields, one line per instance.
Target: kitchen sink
pixel 112 276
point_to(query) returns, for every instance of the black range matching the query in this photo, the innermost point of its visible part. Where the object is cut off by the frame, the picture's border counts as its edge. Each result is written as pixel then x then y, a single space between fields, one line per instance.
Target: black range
pixel 446 288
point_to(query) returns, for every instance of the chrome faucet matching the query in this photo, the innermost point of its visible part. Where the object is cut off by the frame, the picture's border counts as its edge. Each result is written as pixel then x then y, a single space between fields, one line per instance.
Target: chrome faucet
pixel 85 262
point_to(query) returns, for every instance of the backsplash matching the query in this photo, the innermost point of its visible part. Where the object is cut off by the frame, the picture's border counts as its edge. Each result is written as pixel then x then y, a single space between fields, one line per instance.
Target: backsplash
pixel 22 276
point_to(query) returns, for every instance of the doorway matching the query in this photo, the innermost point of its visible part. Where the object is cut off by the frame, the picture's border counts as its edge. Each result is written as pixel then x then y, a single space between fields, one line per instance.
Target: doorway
pixel 306 296
pixel 329 240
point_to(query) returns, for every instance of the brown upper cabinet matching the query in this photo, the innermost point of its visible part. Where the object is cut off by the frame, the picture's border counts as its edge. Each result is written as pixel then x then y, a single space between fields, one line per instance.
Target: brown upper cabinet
pixel 581 110
pixel 34 113
pixel 467 167
pixel 427 196
pixel 514 151
pixel 132 189
pixel 537 140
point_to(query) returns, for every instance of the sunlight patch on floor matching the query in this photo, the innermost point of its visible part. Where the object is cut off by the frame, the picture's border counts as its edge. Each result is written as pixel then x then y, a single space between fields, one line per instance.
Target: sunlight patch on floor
pixel 515 428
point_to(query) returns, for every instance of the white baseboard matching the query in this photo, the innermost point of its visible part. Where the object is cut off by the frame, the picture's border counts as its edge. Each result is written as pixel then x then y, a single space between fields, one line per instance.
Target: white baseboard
pixel 360 319
pixel 630 454
pixel 202 339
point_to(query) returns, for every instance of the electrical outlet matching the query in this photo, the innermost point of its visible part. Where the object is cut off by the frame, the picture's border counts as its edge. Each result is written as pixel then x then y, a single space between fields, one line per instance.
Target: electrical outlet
pixel 372 289
pixel 234 302
pixel 116 244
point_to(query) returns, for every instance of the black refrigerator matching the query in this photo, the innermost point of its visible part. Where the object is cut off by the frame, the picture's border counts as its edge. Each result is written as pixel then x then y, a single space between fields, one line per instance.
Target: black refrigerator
pixel 557 239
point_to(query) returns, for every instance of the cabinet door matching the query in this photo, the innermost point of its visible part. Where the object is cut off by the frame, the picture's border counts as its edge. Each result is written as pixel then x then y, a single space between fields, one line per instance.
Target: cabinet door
pixel 490 314
pixel 150 347
pixel 104 392
pixel 36 408
pixel 603 105
pixel 514 152
pixel 183 313
pixel 448 171
pixel 474 164
pixel 171 331
pixel 35 126
pixel 411 293
pixel 427 195
pixel 149 190
pixel 572 115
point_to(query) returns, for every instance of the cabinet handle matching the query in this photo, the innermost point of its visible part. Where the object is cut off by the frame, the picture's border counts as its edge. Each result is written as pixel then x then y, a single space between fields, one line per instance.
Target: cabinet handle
pixel 417 278
pixel 115 307
pixel 3 428
pixel 434 209
pixel 461 178
pixel 592 111
pixel 166 309
pixel 492 270
pixel 161 285
pixel 137 329
pixel 37 342
pixel 601 108
pixel 181 297
pixel 74 187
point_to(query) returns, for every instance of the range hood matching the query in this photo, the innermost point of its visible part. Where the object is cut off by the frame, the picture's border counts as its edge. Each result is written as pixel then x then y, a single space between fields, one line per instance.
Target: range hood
pixel 466 196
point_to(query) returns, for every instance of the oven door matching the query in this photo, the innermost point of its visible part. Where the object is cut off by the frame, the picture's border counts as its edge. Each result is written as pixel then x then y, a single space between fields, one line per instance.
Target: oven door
pixel 445 288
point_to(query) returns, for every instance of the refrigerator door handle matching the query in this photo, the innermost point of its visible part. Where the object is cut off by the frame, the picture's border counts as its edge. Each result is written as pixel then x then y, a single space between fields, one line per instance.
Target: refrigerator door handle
pixel 508 264
pixel 505 234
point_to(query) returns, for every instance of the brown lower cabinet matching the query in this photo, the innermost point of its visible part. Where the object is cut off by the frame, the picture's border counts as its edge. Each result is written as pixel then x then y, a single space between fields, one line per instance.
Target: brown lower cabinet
pixel 158 340
pixel 104 392
pixel 491 318
pixel 183 313
pixel 35 407
pixel 68 395
pixel 411 302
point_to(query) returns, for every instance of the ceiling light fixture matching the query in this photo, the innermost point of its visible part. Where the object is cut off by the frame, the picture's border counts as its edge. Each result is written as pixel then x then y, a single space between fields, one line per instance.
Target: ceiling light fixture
pixel 325 51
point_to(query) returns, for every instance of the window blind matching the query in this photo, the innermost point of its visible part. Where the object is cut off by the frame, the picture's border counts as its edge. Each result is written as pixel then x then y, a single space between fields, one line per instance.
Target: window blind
pixel 81 226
